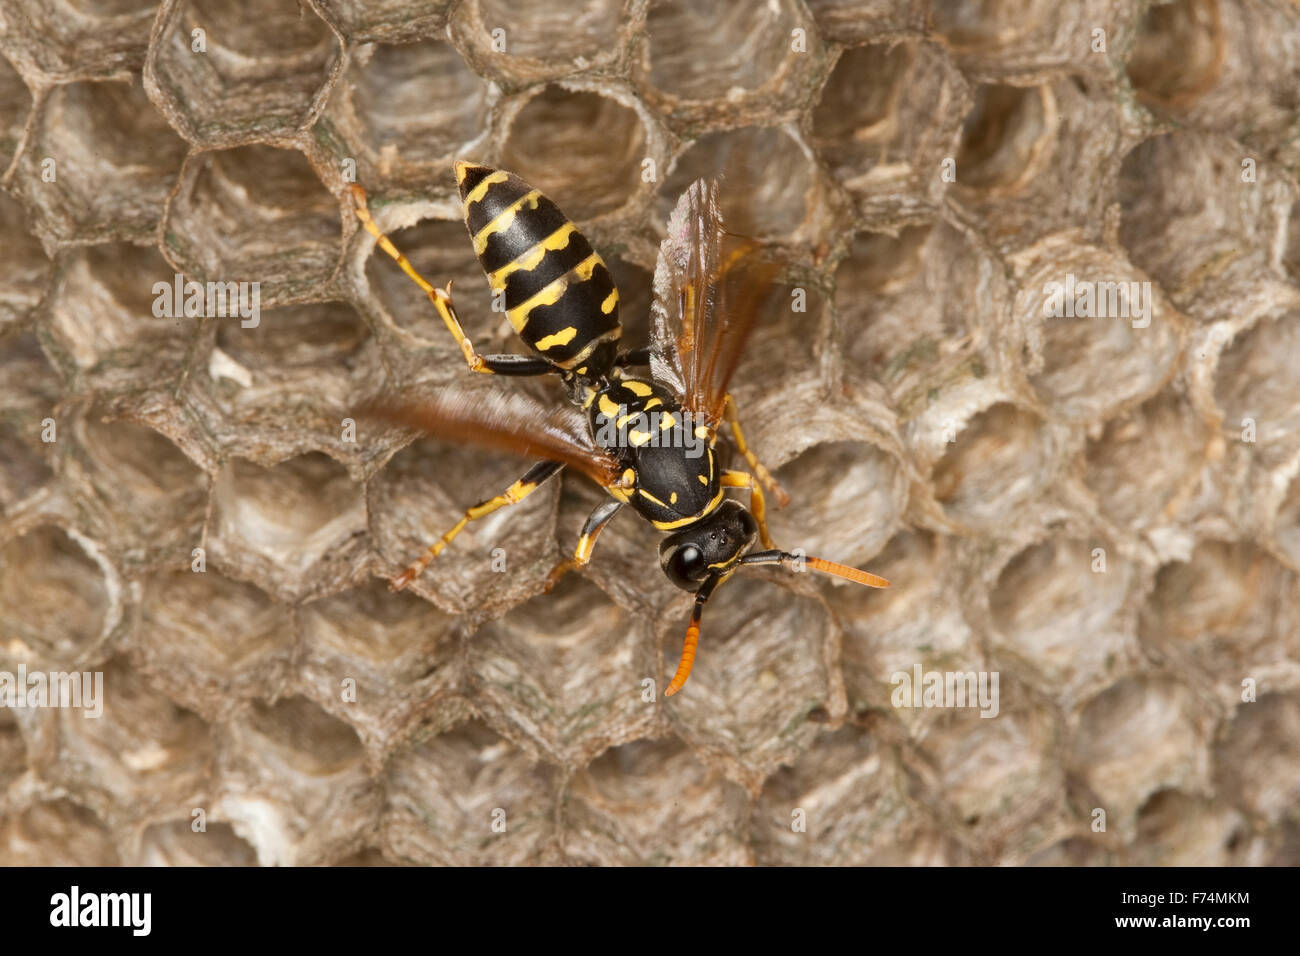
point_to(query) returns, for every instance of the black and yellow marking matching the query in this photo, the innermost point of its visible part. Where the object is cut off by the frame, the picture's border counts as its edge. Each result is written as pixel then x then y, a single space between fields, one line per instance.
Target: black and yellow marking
pixel 558 293
pixel 441 299
pixel 516 493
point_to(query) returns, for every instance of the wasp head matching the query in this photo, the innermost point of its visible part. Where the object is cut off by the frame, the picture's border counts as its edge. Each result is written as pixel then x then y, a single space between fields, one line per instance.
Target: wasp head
pixel 711 546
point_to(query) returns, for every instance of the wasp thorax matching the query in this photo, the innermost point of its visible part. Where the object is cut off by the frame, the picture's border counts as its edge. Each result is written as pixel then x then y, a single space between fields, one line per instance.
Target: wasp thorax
pixel 710 546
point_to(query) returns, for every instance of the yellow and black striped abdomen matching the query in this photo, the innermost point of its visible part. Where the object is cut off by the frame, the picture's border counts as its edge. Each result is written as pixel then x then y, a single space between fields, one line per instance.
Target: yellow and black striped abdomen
pixel 558 293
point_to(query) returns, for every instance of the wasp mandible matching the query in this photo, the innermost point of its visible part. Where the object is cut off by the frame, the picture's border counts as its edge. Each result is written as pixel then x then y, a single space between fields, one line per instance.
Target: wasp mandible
pixel 648 441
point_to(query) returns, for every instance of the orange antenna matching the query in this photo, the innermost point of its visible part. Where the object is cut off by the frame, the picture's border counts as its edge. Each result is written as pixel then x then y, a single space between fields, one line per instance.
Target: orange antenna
pixel 796 563
pixel 693 634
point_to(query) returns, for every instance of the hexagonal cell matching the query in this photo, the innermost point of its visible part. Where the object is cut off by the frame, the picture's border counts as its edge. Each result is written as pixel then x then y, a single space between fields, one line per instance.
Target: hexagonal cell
pixel 296 529
pixel 103 320
pixel 31 393
pixel 15 104
pixel 96 39
pixel 407 111
pixel 994 775
pixel 846 500
pixel 1099 335
pixel 791 330
pixel 851 796
pixel 402 656
pixel 209 642
pixel 56 833
pixel 55 601
pixel 100 164
pixel 651 803
pixel 1209 236
pixel 1226 613
pixel 422 492
pixel 1177 829
pixel 888 632
pixel 175 843
pixel 517 45
pixel 1178 53
pixel 1007 137
pixel 133 749
pixel 1001 459
pixel 757 636
pixel 441 251
pixel 1140 735
pixel 876 124
pixel 1256 759
pixel 387 21
pixel 287 385
pixel 1013 177
pixel 151 497
pixel 255 214
pixel 706 59
pixel 903 314
pixel 469 798
pixel 293 784
pixel 769 183
pixel 582 149
pixel 257 76
pixel 1144 462
pixel 1056 606
pixel 859 104
pixel 565 671
pixel 1255 379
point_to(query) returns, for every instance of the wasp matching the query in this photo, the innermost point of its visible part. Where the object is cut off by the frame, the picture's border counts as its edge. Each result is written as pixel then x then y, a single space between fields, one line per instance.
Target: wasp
pixel 648 440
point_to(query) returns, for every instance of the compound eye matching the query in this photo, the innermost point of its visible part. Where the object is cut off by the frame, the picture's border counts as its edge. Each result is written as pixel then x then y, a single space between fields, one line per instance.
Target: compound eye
pixel 686 567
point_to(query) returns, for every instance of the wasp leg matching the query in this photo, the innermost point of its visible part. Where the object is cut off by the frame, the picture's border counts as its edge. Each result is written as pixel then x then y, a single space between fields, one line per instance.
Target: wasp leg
pixel 765 476
pixel 441 299
pixel 596 521
pixel 516 493
pixel 757 504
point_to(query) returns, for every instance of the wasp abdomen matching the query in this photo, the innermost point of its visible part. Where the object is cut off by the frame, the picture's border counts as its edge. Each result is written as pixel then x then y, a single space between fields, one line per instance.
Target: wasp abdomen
pixel 558 293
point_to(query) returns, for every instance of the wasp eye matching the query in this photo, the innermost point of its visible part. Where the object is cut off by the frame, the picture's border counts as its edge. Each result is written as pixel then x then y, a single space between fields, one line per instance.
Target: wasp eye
pixel 685 567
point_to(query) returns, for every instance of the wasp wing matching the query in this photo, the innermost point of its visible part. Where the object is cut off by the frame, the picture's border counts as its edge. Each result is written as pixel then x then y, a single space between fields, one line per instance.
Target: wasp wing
pixel 709 287
pixel 510 423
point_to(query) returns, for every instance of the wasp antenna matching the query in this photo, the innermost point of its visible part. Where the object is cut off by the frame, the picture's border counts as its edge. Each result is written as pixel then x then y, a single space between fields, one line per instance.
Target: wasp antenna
pixel 817 564
pixel 692 635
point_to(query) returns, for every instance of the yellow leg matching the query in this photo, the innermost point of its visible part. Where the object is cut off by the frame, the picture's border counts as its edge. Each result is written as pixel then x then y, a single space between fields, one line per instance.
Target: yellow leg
pixel 603 514
pixel 440 298
pixel 516 493
pixel 757 506
pixel 765 476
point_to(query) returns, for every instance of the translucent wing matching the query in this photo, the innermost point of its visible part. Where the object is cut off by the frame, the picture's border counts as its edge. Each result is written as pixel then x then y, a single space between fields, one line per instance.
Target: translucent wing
pixel 511 423
pixel 709 286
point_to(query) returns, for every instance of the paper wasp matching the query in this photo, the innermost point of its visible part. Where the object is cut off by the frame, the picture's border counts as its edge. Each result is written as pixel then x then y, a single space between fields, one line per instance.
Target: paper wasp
pixel 649 442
